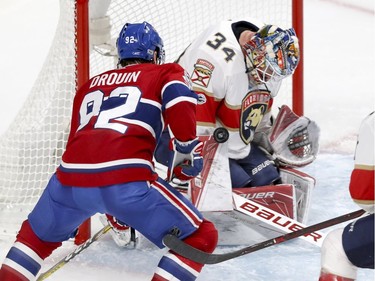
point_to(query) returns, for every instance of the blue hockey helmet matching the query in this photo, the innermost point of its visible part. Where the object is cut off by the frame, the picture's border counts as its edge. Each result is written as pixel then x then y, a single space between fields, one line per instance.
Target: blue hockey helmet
pixel 271 53
pixel 140 41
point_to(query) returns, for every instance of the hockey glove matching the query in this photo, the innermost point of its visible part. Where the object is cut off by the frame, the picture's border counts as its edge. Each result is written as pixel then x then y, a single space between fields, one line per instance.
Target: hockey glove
pixel 117 225
pixel 122 234
pixel 186 160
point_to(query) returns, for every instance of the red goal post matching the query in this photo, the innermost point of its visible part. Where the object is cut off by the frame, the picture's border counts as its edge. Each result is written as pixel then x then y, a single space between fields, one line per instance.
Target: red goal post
pixel 31 149
pixel 297 82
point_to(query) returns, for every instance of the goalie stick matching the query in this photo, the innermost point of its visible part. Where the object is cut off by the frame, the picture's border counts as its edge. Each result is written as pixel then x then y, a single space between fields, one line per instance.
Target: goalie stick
pixel 187 251
pixel 77 251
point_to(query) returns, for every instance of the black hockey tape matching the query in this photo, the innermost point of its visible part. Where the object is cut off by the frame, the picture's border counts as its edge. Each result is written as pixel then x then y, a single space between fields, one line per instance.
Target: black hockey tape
pixel 221 135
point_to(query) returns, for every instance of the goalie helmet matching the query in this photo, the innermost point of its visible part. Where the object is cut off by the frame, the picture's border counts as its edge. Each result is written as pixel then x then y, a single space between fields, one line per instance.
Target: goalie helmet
pixel 140 41
pixel 271 53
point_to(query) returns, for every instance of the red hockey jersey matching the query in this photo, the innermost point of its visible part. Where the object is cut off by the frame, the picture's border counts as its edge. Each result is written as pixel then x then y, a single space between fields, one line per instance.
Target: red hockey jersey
pixel 117 119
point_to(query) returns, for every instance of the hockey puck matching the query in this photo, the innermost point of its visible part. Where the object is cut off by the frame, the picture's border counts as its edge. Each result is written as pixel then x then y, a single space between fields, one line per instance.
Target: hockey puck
pixel 221 135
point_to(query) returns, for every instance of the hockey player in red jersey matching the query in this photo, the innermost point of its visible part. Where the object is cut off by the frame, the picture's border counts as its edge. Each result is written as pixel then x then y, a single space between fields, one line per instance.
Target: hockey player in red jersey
pixel 346 249
pixel 236 69
pixel 117 119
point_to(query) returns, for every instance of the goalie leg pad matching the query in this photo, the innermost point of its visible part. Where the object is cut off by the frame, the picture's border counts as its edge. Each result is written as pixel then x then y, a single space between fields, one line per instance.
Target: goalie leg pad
pixel 260 170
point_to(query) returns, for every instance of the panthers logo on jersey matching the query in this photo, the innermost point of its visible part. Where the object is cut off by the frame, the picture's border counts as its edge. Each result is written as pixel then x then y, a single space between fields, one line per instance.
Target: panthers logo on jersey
pixel 254 106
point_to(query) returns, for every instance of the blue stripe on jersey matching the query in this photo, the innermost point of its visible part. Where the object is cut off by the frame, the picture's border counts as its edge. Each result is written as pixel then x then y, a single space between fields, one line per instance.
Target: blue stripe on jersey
pixel 175 91
pixel 24 260
pixel 175 269
pixel 149 114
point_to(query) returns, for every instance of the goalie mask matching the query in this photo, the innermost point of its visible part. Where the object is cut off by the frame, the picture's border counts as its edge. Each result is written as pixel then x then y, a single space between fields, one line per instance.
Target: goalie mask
pixel 272 53
pixel 140 41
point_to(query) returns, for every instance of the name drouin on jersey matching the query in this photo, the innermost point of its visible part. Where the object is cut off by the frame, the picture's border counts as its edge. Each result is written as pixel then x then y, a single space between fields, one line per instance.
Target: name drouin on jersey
pixel 114 78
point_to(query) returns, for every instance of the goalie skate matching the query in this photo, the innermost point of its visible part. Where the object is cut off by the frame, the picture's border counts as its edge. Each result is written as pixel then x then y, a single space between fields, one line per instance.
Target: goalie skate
pixel 125 239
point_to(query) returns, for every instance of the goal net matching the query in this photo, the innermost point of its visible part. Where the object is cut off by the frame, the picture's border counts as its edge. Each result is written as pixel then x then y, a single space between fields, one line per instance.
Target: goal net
pixel 31 149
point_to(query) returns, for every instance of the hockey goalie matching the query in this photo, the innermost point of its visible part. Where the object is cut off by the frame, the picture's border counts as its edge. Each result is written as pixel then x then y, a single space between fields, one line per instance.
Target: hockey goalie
pixel 236 90
pixel 237 68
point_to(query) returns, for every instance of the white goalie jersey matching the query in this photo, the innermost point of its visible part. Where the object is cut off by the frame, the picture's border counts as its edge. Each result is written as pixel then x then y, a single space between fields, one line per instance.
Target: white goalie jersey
pixel 216 65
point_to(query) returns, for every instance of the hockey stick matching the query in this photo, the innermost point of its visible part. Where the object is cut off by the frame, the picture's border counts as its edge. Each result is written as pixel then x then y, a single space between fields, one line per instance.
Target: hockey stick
pixel 187 251
pixel 78 250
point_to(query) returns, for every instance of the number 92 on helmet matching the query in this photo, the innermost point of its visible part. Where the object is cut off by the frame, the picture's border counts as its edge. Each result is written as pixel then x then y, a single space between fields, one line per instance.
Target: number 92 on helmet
pixel 140 41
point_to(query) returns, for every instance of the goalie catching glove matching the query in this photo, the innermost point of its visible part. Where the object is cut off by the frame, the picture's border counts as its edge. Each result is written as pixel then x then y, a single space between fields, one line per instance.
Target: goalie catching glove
pixel 186 159
pixel 294 139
